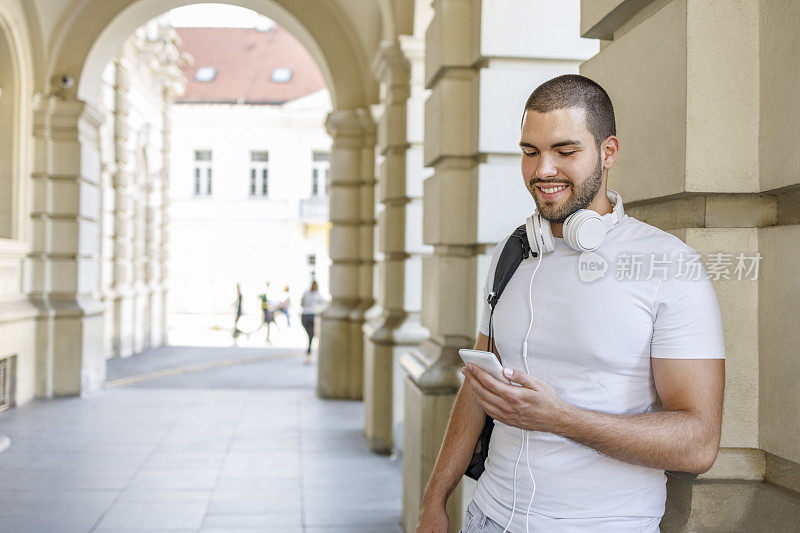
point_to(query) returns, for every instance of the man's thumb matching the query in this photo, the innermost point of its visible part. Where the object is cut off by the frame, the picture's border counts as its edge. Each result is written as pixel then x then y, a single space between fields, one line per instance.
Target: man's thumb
pixel 518 376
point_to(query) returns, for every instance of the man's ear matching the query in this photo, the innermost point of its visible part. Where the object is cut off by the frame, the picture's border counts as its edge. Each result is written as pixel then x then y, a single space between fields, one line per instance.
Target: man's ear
pixel 609 150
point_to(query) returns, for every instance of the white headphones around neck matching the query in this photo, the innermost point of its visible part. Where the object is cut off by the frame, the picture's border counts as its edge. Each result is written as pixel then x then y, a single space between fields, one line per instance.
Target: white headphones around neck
pixel 584 230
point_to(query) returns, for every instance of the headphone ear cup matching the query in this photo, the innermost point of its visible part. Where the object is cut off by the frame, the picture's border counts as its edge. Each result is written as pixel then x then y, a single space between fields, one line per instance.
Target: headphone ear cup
pixel 540 236
pixel 584 230
pixel 530 232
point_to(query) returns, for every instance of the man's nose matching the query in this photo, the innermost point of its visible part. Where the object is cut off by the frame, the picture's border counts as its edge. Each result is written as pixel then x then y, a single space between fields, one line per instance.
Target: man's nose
pixel 546 167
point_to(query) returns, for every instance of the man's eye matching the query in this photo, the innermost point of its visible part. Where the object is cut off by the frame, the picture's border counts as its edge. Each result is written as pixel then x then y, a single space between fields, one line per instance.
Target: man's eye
pixel 529 154
pixel 565 154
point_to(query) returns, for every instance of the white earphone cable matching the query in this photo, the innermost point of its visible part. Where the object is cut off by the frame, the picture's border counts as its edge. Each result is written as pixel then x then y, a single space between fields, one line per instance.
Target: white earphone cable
pixel 525 442
pixel 527 371
pixel 514 489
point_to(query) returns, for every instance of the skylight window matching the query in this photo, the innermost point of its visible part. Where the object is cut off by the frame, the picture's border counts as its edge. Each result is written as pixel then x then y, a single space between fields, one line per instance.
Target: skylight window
pixel 205 74
pixel 281 75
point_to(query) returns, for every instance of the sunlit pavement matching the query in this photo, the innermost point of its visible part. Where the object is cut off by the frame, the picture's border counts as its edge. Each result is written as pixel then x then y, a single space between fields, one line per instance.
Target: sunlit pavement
pixel 235 447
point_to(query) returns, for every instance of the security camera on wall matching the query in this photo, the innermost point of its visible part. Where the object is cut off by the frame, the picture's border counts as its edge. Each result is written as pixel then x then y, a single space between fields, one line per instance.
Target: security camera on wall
pixel 65 81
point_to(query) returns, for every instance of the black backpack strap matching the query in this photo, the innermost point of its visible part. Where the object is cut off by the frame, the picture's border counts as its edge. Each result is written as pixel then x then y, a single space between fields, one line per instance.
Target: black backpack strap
pixel 515 250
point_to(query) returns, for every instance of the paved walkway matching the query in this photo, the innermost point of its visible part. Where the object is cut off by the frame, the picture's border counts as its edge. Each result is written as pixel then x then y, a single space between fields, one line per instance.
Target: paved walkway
pixel 245 447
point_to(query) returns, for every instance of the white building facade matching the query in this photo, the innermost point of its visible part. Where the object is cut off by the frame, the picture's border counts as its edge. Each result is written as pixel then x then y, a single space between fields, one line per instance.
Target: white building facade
pixel 249 189
pixel 248 202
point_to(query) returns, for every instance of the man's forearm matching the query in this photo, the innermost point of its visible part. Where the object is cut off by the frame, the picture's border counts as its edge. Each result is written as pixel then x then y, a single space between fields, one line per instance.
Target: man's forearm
pixel 463 429
pixel 672 440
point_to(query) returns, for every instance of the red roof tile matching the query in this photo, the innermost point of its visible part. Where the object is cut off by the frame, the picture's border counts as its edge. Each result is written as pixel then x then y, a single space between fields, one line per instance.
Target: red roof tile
pixel 244 59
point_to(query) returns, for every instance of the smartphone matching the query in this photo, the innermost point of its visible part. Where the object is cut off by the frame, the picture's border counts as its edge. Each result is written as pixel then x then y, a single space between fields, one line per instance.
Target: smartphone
pixel 486 361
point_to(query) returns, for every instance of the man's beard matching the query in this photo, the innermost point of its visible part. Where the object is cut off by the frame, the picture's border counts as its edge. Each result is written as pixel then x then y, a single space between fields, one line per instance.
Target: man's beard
pixel 580 198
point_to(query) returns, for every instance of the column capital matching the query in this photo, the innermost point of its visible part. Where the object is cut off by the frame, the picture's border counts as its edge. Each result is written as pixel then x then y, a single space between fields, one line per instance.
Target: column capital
pixel 368 126
pixel 391 66
pixel 413 47
pixel 343 123
pixel 350 124
pixel 60 117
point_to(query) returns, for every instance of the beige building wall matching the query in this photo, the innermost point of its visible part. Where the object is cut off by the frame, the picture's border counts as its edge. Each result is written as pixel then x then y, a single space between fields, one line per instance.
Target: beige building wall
pixel 708 153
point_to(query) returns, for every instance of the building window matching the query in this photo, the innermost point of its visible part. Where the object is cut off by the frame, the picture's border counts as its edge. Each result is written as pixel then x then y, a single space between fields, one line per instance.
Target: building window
pixel 203 168
pixel 281 75
pixel 312 260
pixel 205 74
pixel 259 168
pixel 319 173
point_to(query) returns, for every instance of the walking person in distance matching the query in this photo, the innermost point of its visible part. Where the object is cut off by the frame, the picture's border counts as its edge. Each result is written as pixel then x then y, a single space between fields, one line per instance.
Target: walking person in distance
pixel 311 304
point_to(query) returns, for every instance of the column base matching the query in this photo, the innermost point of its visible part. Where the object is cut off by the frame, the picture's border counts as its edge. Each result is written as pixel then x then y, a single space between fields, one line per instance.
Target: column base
pixel 340 370
pixel 122 341
pixel 107 301
pixel 157 335
pixel 70 344
pixel 385 340
pixel 141 333
pixel 430 390
pixel 728 505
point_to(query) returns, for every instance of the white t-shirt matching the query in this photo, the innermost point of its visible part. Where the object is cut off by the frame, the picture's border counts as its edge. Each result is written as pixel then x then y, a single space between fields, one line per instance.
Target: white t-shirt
pixel 592 340
pixel 312 302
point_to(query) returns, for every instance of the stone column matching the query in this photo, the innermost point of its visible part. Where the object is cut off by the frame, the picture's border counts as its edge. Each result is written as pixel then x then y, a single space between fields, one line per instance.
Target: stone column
pixel 163 294
pixel 395 327
pixel 340 366
pixel 480 70
pixel 705 156
pixel 152 250
pixel 64 259
pixel 106 272
pixel 139 198
pixel 449 276
pixel 366 245
pixel 123 216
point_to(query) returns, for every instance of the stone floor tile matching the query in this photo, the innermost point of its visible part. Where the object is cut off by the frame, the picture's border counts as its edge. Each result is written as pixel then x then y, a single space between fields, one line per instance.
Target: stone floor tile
pixel 154 514
pixel 264 521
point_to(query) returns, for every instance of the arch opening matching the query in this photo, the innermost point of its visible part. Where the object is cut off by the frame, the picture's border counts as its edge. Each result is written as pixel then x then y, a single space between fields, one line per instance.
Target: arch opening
pixel 9 129
pixel 137 14
pixel 215 164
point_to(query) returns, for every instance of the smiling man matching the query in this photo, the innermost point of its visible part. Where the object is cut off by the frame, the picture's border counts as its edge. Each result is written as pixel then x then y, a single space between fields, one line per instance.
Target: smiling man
pixel 625 371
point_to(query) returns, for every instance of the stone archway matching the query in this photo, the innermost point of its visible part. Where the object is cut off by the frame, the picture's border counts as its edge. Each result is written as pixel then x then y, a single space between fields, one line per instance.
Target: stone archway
pixel 8 149
pixel 71 329
pixel 16 80
pixel 17 339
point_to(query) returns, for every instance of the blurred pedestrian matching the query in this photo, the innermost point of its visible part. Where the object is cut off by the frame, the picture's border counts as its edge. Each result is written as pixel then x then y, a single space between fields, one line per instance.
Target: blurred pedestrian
pixel 237 310
pixel 311 304
pixel 267 310
pixel 284 305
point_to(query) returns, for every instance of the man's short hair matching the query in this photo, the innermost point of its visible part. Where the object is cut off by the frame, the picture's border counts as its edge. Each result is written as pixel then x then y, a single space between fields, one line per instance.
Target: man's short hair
pixel 573 90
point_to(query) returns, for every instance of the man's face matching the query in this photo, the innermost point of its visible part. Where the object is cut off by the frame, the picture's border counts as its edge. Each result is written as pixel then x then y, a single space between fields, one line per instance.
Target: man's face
pixel 561 164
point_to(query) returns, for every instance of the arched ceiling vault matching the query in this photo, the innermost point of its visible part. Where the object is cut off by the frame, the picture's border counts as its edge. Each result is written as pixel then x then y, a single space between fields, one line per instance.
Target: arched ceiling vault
pixel 91 32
